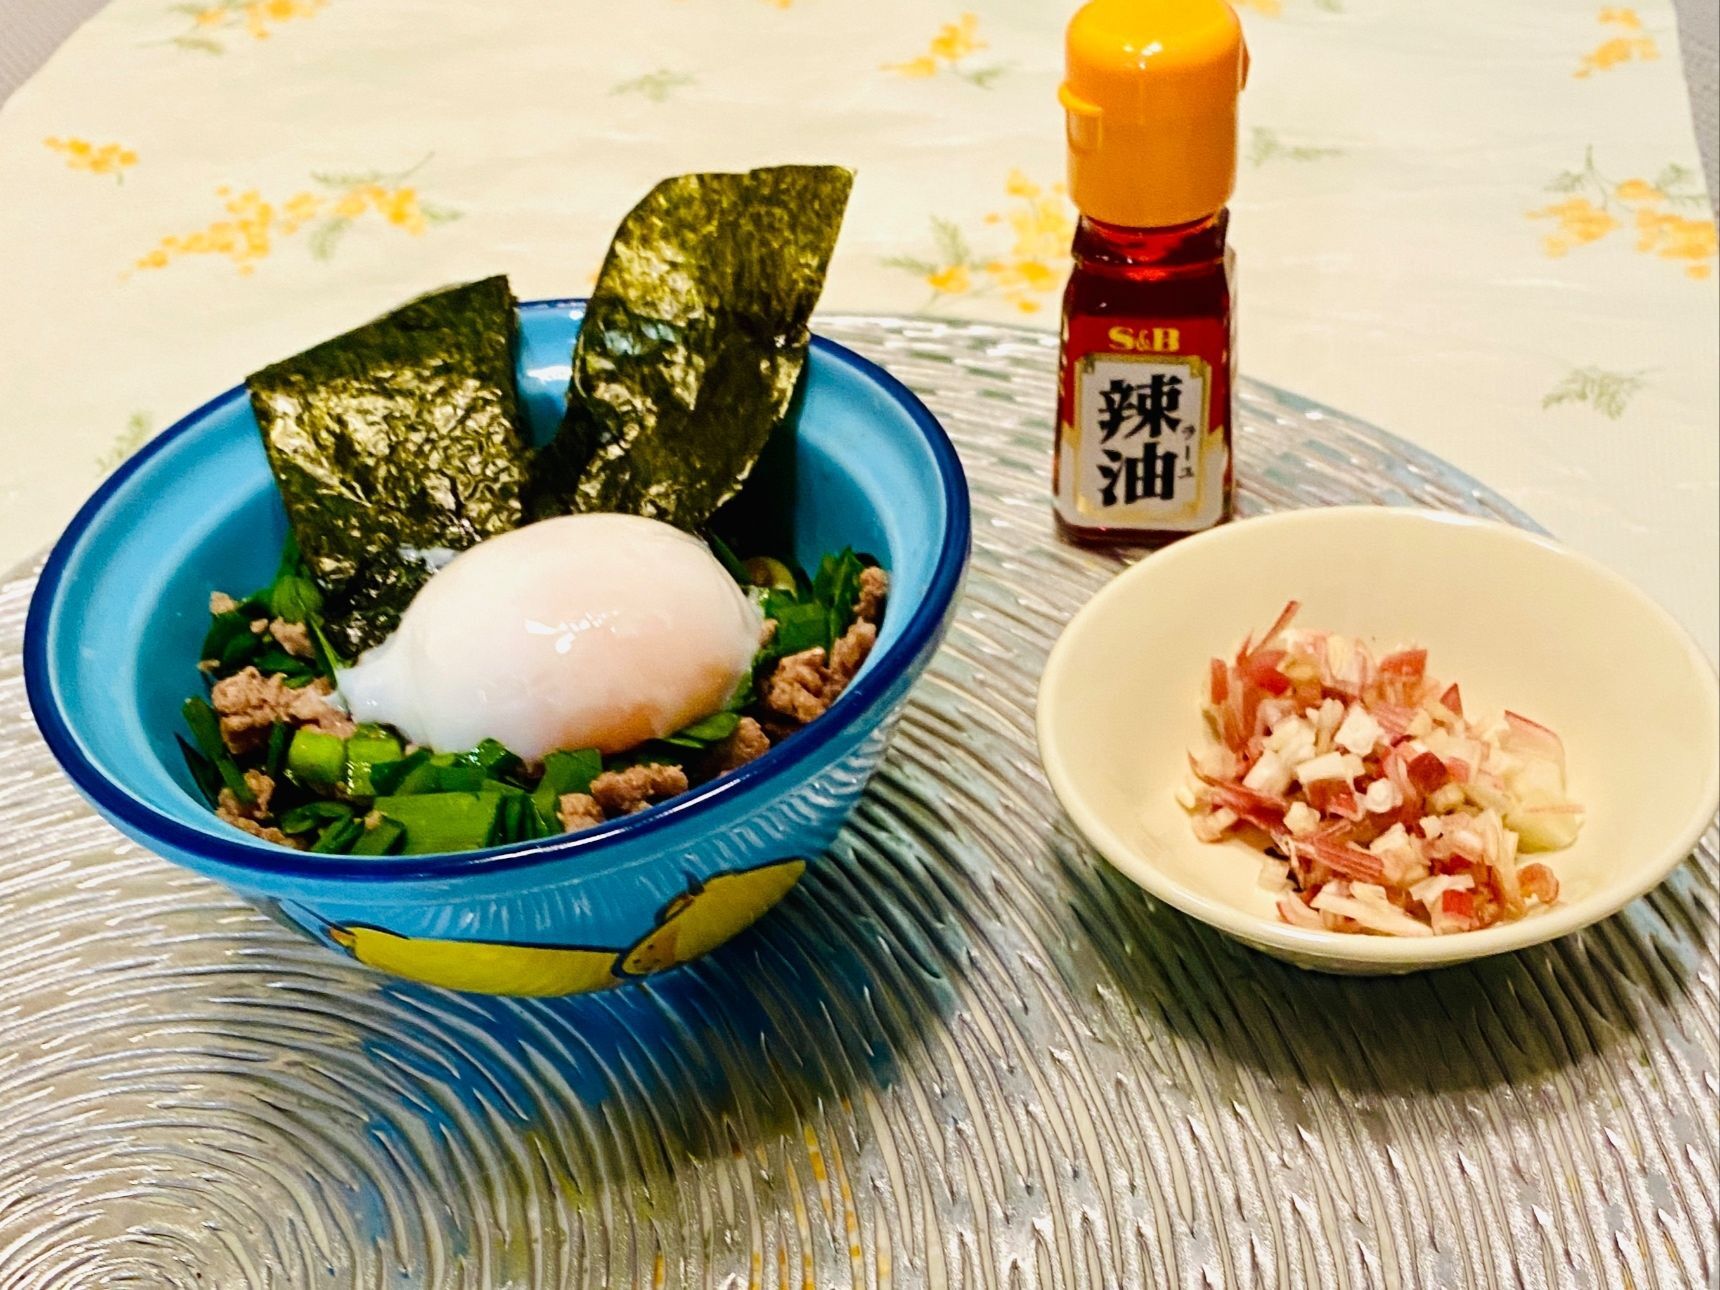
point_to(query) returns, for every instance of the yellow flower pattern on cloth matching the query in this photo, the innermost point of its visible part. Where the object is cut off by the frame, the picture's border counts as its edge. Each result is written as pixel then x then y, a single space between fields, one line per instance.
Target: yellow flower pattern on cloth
pixel 1025 273
pixel 1595 207
pixel 251 225
pixel 213 19
pixel 1630 43
pixel 951 50
pixel 96 159
pixel 1275 8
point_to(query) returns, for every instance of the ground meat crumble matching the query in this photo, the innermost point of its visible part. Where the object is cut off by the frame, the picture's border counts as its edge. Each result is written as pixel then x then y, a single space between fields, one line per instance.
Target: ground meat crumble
pixel 748 743
pixel 874 588
pixel 847 655
pixel 578 811
pixel 795 686
pixel 249 703
pixel 295 638
pixel 251 816
pixel 622 792
pixel 229 807
pixel 801 687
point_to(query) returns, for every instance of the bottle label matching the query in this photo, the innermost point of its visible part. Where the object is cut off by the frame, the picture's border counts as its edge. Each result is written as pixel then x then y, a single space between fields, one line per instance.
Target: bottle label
pixel 1142 444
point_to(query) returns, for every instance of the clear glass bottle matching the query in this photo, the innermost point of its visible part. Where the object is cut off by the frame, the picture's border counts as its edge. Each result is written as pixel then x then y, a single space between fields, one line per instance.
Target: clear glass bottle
pixel 1143 449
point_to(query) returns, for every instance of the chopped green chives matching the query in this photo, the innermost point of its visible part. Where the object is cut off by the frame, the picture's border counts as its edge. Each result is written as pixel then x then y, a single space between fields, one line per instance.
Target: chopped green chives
pixel 386 776
pixel 228 631
pixel 421 778
pixel 728 559
pixel 294 595
pixel 206 730
pixel 381 840
pixel 706 731
pixel 448 777
pixel 328 659
pixel 203 772
pixel 313 815
pixel 564 772
pixel 280 734
pixel 316 759
pixel 339 837
pixel 272 660
pixel 837 587
pixel 365 750
pixel 443 821
pixel 798 627
pixel 491 757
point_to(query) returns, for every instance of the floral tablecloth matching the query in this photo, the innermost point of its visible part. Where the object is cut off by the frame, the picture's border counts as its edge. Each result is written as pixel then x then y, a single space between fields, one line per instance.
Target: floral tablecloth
pixel 1477 223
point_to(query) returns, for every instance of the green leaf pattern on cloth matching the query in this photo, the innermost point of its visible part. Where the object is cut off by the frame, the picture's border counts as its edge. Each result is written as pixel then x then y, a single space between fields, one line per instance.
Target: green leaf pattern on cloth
pixel 1608 393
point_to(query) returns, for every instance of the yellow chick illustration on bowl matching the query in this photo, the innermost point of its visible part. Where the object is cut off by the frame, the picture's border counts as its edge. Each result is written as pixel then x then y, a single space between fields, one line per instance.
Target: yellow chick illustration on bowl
pixel 693 923
pixel 481 967
pixel 709 913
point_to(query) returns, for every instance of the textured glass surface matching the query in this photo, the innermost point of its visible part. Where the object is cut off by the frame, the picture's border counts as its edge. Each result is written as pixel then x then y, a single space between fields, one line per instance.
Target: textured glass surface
pixel 965 1052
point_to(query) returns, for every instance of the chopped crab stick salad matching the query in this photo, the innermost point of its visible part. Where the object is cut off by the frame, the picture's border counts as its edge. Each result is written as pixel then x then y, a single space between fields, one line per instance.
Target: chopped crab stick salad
pixel 1380 806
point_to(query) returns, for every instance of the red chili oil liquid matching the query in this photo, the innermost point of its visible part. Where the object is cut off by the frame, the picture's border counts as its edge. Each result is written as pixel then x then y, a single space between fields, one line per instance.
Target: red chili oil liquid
pixel 1144 439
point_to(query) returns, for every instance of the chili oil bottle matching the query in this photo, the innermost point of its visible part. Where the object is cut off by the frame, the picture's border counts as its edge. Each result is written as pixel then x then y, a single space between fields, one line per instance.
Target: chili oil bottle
pixel 1148 339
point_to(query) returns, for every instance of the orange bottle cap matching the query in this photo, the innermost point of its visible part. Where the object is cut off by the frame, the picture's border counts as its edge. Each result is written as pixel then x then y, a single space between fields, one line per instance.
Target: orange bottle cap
pixel 1149 99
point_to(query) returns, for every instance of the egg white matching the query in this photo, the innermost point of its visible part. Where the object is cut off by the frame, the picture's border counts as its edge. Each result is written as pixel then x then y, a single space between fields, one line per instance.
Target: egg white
pixel 586 631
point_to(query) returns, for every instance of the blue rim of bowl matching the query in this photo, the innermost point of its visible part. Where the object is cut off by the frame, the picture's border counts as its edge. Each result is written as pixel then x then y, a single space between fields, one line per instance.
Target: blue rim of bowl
pixel 923 625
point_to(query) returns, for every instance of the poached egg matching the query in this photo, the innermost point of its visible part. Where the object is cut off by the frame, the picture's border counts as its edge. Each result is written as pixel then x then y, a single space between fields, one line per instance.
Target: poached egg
pixel 585 631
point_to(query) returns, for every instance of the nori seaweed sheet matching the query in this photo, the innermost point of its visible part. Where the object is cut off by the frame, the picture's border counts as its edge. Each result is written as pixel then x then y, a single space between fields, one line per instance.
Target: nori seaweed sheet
pixel 398 438
pixel 693 342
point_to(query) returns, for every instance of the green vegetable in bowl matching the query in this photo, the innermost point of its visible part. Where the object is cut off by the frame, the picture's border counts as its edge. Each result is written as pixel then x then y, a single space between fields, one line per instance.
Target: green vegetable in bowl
pixel 316 760
pixel 443 821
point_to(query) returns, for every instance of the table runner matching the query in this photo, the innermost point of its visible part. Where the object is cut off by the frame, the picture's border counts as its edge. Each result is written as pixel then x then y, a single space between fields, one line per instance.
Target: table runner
pixel 1480 224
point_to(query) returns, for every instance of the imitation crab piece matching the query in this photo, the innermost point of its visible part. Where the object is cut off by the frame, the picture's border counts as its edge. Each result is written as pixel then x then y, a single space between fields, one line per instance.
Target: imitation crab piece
pixel 1536 806
pixel 1261 669
pixel 1450 902
pixel 1272 633
pixel 1262 809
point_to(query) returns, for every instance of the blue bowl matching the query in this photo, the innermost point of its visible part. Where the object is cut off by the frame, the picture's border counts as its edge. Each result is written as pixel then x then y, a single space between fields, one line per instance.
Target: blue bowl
pixel 117 620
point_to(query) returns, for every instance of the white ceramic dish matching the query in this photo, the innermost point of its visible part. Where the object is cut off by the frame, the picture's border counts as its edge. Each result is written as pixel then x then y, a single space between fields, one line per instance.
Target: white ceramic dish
pixel 1519 621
